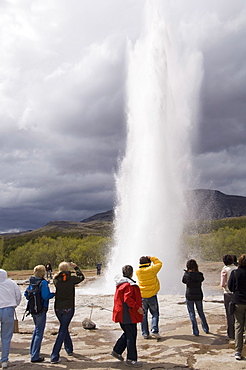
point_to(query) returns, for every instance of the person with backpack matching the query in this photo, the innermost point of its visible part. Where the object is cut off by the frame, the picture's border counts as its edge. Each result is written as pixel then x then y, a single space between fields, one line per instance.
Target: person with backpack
pixel 10 297
pixel 65 283
pixel 38 295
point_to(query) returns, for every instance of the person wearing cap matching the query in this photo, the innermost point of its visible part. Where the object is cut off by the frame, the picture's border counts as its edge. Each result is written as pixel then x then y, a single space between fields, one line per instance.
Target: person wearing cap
pixel 10 297
pixel 149 286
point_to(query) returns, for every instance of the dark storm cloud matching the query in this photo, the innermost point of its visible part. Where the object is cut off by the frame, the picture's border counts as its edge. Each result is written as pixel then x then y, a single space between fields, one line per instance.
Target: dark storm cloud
pixel 224 95
pixel 220 149
pixel 62 88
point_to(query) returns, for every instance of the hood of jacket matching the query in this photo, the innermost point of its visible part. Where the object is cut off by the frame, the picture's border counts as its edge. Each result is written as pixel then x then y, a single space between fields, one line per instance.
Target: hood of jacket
pixel 3 275
pixel 34 280
pixel 119 279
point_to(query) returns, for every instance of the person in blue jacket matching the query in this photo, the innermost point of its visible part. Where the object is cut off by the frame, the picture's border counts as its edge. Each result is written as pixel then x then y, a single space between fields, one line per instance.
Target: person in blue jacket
pixel 39 319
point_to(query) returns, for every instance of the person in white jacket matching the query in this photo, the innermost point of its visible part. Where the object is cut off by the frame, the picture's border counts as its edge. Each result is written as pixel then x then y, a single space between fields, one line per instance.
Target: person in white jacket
pixel 225 275
pixel 10 297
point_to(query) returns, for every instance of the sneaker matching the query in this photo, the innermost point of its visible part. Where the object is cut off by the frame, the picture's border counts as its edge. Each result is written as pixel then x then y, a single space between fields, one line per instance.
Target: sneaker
pixel 40 359
pixel 117 355
pixel 4 365
pixel 146 336
pixel 70 353
pixel 156 335
pixel 55 361
pixel 238 356
pixel 134 363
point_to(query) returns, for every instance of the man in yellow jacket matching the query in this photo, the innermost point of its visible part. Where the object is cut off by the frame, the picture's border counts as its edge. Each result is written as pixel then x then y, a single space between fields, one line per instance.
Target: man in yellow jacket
pixel 149 286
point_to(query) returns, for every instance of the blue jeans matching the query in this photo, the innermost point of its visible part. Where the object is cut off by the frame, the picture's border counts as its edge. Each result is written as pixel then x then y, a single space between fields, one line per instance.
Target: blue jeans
pixel 38 333
pixel 64 316
pixel 49 274
pixel 127 340
pixel 191 311
pixel 150 304
pixel 7 329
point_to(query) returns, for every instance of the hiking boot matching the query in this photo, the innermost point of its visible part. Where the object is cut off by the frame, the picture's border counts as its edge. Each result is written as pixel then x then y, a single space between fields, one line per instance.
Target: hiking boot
pixel 133 363
pixel 156 335
pixel 117 355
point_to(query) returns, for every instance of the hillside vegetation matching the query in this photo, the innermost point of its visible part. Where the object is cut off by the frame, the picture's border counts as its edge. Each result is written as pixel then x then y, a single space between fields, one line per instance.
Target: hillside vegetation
pixel 84 244
pixel 211 239
pixel 88 243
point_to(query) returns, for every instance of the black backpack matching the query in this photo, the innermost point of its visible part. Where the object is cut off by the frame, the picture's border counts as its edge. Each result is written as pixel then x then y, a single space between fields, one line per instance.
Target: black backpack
pixel 35 302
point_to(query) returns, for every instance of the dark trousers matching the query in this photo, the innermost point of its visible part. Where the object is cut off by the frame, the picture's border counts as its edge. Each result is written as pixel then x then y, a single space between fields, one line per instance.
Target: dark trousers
pixel 64 316
pixel 240 322
pixel 230 318
pixel 127 340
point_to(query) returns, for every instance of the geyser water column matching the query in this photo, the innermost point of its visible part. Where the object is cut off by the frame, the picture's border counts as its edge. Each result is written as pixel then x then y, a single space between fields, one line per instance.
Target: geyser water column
pixel 164 76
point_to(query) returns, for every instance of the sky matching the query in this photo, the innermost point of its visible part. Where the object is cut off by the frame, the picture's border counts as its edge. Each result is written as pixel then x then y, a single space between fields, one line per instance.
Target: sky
pixel 63 71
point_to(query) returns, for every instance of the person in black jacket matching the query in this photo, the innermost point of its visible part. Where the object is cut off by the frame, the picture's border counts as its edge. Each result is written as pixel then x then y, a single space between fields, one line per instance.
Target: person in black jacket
pixel 65 283
pixel 194 295
pixel 237 285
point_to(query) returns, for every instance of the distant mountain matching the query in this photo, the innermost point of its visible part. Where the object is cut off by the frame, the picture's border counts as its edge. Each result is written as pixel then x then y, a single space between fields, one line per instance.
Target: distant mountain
pixel 203 204
pixel 104 216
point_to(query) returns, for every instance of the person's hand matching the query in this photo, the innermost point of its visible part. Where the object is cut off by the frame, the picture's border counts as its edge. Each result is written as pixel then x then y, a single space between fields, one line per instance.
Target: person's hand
pixel 73 264
pixel 141 311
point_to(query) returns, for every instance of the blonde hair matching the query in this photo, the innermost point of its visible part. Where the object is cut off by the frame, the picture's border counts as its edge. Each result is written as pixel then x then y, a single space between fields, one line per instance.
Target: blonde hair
pixel 63 266
pixel 39 271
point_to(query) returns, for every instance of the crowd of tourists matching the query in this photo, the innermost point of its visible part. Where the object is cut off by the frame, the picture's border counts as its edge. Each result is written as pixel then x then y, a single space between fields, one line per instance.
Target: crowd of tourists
pixel 132 303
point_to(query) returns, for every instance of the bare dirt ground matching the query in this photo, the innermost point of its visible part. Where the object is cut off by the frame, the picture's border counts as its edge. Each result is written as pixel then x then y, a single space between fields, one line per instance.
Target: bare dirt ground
pixel 177 349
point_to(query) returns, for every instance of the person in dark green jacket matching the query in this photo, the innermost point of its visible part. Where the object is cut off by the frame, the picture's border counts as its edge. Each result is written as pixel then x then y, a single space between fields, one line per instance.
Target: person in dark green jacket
pixel 65 283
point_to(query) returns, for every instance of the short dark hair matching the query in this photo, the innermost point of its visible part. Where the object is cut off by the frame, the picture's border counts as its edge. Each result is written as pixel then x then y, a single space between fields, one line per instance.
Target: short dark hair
pixel 144 259
pixel 228 259
pixel 242 261
pixel 192 265
pixel 127 270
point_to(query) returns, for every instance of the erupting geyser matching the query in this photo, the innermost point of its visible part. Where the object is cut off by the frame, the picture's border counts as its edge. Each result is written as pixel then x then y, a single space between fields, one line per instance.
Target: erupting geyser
pixel 164 77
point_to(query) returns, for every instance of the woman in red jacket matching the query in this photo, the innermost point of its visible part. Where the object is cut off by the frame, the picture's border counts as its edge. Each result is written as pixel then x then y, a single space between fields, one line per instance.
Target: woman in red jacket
pixel 128 312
